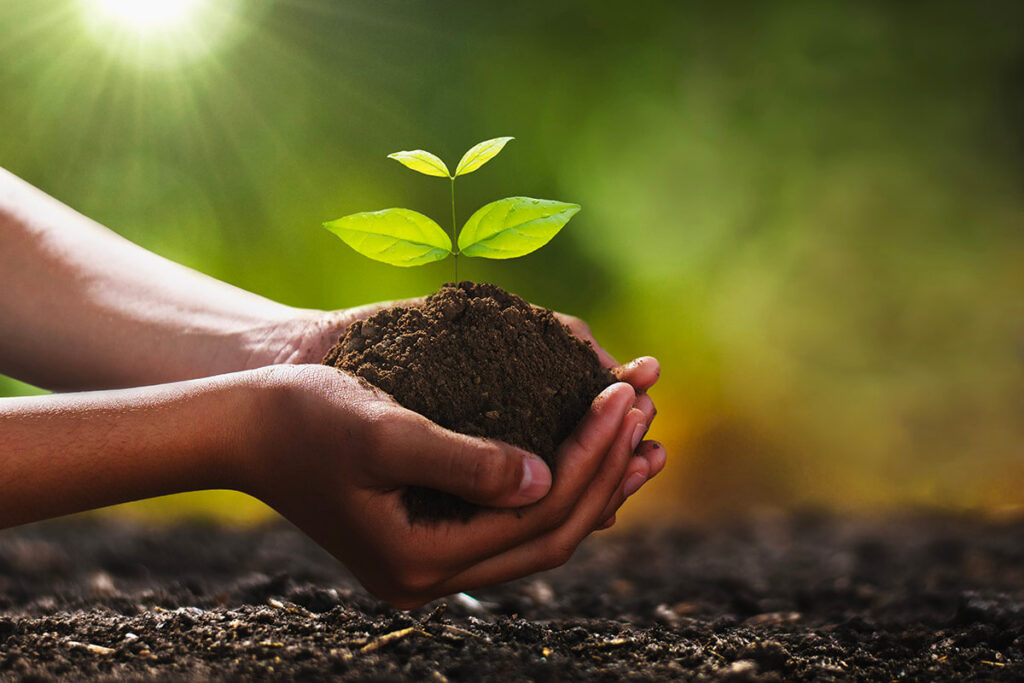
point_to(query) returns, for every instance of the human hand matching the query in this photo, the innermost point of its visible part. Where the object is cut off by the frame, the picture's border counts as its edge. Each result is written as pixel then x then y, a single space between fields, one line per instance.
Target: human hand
pixel 640 373
pixel 333 456
pixel 306 337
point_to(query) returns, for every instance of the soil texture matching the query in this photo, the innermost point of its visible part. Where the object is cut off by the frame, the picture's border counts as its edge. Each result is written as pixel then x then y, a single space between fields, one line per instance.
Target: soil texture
pixel 776 598
pixel 477 360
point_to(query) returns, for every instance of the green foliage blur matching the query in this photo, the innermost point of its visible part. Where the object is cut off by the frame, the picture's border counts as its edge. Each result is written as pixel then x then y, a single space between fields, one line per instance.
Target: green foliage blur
pixel 812 213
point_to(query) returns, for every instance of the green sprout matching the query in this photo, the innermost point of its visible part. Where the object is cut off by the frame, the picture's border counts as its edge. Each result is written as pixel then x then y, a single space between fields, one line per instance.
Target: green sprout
pixel 507 228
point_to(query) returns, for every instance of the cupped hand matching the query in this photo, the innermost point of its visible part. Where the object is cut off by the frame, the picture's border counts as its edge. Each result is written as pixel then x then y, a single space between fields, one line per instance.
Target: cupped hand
pixel 640 373
pixel 333 456
pixel 307 337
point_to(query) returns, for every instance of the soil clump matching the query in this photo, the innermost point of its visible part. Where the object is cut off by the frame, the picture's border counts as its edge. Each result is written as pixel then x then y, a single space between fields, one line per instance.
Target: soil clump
pixel 481 361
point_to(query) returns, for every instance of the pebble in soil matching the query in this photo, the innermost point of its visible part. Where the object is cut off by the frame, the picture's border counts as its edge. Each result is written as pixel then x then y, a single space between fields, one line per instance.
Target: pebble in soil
pixel 478 360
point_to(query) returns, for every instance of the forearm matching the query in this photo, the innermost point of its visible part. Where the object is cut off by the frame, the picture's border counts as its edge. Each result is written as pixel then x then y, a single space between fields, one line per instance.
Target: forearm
pixel 73 452
pixel 83 308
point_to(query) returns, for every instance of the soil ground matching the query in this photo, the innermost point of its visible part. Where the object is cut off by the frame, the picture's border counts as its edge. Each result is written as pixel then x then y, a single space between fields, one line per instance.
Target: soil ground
pixel 807 597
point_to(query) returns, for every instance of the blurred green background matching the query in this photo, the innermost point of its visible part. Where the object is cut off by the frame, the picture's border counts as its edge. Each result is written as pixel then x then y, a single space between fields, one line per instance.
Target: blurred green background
pixel 812 213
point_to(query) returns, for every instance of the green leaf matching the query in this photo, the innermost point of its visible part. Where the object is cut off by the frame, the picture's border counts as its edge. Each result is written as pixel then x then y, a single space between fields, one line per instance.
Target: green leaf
pixel 422 161
pixel 397 236
pixel 480 154
pixel 513 227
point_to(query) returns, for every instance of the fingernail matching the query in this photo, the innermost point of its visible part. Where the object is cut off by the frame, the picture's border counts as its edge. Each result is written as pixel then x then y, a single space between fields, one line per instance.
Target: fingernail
pixel 638 434
pixel 633 484
pixel 536 478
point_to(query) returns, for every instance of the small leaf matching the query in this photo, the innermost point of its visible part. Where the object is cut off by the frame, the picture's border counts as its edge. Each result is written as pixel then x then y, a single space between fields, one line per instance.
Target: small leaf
pixel 397 236
pixel 513 227
pixel 422 161
pixel 480 154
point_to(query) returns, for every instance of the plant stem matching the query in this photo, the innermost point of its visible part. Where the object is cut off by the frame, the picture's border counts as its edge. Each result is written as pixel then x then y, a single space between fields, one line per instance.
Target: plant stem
pixel 455 250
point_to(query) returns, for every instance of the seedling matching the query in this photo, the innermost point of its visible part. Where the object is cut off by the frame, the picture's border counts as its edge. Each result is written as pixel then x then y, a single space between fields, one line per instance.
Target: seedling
pixel 507 228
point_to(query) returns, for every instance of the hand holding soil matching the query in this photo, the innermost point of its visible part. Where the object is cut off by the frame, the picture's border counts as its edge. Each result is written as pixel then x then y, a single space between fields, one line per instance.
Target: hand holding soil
pixel 311 334
pixel 472 357
pixel 344 454
pixel 85 310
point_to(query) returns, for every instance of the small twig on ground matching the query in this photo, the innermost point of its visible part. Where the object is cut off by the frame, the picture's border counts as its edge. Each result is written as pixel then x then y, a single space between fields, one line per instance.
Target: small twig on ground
pixel 392 637
pixel 290 607
pixel 435 615
pixel 95 649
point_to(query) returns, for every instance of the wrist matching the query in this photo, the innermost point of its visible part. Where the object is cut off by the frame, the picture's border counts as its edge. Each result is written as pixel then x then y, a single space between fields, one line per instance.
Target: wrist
pixel 219 430
pixel 303 424
pixel 287 338
pixel 258 437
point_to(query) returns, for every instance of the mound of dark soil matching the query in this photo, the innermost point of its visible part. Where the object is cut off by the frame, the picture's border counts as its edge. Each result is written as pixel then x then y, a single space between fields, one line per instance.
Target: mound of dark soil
pixel 807 598
pixel 477 360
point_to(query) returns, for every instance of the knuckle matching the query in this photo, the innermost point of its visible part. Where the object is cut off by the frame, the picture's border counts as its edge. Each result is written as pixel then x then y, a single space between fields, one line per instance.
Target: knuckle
pixel 558 553
pixel 491 474
pixel 376 433
pixel 560 513
pixel 563 513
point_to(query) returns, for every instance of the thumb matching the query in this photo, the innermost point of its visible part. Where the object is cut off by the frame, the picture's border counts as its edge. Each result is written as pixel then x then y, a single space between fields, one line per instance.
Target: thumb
pixel 482 471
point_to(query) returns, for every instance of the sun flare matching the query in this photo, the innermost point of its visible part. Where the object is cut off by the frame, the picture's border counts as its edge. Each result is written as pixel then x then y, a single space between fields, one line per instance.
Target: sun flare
pixel 158 33
pixel 146 17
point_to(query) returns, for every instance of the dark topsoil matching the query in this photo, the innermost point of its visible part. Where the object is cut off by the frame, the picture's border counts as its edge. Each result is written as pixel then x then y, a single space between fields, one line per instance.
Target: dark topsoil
pixel 477 360
pixel 808 597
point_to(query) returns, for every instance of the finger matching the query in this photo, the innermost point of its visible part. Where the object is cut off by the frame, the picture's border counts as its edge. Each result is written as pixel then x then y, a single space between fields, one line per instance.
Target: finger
pixel 651 452
pixel 641 470
pixel 580 458
pixel 637 472
pixel 606 359
pixel 645 405
pixel 641 373
pixel 582 330
pixel 656 456
pixel 482 471
pixel 555 547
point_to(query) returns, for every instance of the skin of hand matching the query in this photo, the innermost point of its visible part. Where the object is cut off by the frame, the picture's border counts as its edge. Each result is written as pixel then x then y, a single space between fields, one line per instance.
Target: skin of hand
pixel 173 324
pixel 331 455
pixel 308 334
pixel 343 453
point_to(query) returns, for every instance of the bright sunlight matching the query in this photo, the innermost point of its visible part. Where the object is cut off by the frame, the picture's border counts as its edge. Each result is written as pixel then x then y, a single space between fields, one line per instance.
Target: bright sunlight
pixel 158 33
pixel 147 17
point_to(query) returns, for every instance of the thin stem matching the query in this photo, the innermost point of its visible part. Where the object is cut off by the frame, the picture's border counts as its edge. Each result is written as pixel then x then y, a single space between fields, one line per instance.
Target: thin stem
pixel 455 247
